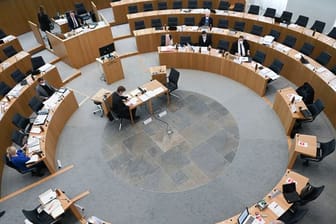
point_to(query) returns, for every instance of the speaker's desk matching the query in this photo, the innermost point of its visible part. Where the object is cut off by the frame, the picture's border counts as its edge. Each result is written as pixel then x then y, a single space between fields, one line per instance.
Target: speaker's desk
pixel 9 40
pixel 111 67
pixel 81 47
pixel 303 144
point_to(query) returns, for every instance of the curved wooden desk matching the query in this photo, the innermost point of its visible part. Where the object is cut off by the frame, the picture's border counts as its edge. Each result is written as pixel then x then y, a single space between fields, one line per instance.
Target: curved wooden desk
pixel 9 40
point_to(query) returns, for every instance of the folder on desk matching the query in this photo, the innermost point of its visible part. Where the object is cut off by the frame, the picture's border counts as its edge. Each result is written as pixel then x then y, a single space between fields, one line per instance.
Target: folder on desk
pixel 47 196
pixel 40 119
pixel 33 159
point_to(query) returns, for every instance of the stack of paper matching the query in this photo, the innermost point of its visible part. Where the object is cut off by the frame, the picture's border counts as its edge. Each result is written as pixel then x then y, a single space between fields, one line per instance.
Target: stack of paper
pixel 276 209
pixel 15 92
pixel 132 101
pixel 40 119
pixel 47 196
pixel 32 141
pixel 33 159
pixel 35 148
pixel 54 208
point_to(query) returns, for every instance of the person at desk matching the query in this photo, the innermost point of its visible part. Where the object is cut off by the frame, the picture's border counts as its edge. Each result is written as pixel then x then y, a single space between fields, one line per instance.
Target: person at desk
pixel 119 107
pixel 240 47
pixel 44 21
pixel 18 158
pixel 168 40
pixel 204 40
pixel 206 20
pixel 74 21
pixel 44 90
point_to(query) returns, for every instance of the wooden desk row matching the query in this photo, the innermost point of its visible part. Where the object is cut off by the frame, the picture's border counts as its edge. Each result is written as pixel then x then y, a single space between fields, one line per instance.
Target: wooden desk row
pixel 9 40
pixel 320 41
pixel 293 70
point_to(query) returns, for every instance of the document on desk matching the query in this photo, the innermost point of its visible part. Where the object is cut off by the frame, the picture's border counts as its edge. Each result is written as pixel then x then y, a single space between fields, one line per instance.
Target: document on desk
pixel 33 159
pixel 40 119
pixel 144 97
pixel 47 196
pixel 15 92
pixel 32 141
pixel 45 67
pixel 132 101
pixel 158 90
pixel 332 84
pixel 35 148
pixel 276 209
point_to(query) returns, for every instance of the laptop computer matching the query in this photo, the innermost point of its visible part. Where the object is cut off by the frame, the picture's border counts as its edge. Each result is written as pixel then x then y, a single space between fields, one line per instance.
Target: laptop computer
pixel 245 217
pixel 289 192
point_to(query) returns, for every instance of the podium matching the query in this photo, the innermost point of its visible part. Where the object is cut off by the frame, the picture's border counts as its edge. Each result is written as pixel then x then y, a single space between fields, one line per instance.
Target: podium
pixel 111 68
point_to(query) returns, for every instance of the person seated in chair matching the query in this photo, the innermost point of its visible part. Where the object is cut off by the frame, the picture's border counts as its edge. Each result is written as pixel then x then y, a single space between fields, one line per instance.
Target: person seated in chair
pixel 206 20
pixel 44 90
pixel 19 158
pixel 119 107
pixel 205 39
pixel 240 47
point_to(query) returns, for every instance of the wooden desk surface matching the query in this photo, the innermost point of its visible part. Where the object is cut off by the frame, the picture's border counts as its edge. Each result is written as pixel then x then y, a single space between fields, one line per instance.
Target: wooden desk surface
pixel 99 97
pixel 9 40
pixel 305 144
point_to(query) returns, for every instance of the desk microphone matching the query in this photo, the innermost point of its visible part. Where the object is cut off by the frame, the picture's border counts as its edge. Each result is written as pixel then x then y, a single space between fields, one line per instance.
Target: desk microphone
pixel 141 90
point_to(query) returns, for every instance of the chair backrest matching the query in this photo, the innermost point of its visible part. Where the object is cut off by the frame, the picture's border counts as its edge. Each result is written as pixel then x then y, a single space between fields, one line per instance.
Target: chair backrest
pixel 254 9
pixel 184 40
pixel 332 33
pixel 289 41
pixel 239 26
pixel 307 92
pixel 2 34
pixel 192 4
pixel 177 4
pixel 307 49
pixel 17 76
pixel 257 30
pixel 311 194
pixel 207 4
pixel 318 26
pixel 289 188
pixel 189 21
pixel 80 8
pixel 156 22
pixel 239 7
pixel 132 9
pixel 286 17
pixel 224 5
pixel 4 89
pixel 148 6
pixel 9 51
pixel 259 57
pixel 174 76
pixel 138 25
pixel 316 108
pixel 327 148
pixel 37 62
pixel 223 23
pixel 290 217
pixel 18 138
pixel 275 34
pixel 172 21
pixel 276 66
pixel 35 104
pixel 302 20
pixel 20 121
pixel 270 12
pixel 162 5
pixel 323 58
pixel 223 45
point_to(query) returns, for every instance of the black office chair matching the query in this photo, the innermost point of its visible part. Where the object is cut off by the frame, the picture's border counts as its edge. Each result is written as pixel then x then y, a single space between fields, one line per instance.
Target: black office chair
pixel 289 41
pixel 318 26
pixel 189 21
pixel 302 21
pixel 177 4
pixel 270 12
pixel 162 5
pixel 223 45
pixel 4 89
pixel 257 30
pixel 22 123
pixel 19 138
pixel 18 76
pixel 2 34
pixel 285 17
pixel 276 66
pixel 309 193
pixel 192 4
pixel 40 218
pixel 333 69
pixel 332 33
pixel 37 62
pixel 156 22
pixel 11 165
pixel 173 78
pixel 35 104
pixel 207 4
pixel 239 7
pixel 259 57
pixel 172 21
pixel 223 23
pixel 254 9
pixel 148 6
pixel 275 34
pixel 325 149
pixel 185 40
pixel 224 5
pixel 292 217
pixel 239 26
pixel 323 58
pixel 307 49
pixel 9 51
pixel 315 109
pixel 307 92
pixel 99 109
pixel 132 9
pixel 139 25
pixel 82 12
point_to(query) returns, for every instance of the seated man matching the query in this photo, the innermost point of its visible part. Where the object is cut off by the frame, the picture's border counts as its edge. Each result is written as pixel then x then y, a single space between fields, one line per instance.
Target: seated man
pixel 44 90
pixel 168 40
pixel 119 107
pixel 205 39
pixel 206 20
pixel 18 158
pixel 74 21
pixel 240 47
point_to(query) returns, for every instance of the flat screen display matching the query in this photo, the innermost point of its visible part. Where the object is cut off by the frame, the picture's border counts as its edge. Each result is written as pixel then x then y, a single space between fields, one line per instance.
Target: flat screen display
pixel 106 49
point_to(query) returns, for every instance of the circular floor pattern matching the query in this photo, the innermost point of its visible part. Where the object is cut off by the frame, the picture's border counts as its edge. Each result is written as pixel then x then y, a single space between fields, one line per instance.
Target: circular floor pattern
pixel 202 144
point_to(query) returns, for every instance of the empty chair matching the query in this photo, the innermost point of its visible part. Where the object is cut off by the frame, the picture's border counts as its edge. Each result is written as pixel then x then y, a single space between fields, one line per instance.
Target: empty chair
pixel 192 4
pixel 185 40
pixel 19 138
pixel 18 76
pixel 323 58
pixel 302 21
pixel 332 33
pixel 132 9
pixel 275 34
pixel 310 193
pixel 37 217
pixel 21 122
pixel 254 9
pixel 293 216
pixel 223 45
pixel 189 21
pixel 172 21
pixel 207 4
pixel 315 109
pixel 37 62
pixel 224 5
pixel 138 25
pixel 177 4
pixel 285 17
pixel 239 26
pixel 35 104
pixel 259 57
pixel 99 109
pixel 270 12
pixel 2 34
pixel 307 92
pixel 9 51
pixel 325 149
pixel 82 12
pixel 148 6
pixel 257 30
pixel 289 41
pixel 162 5
pixel 276 66
pixel 4 89
pixel 239 7
pixel 223 23
pixel 289 192
pixel 307 49
pixel 318 26
pixel 156 22
pixel 173 78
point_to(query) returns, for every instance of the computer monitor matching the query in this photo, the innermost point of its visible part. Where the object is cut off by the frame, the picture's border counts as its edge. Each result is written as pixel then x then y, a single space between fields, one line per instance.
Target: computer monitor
pixel 106 49
pixel 243 215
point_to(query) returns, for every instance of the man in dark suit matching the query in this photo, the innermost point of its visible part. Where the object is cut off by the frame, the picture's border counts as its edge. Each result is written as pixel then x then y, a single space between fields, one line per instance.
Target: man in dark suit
pixel 44 90
pixel 240 47
pixel 204 40
pixel 119 107
pixel 74 21
pixel 206 20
